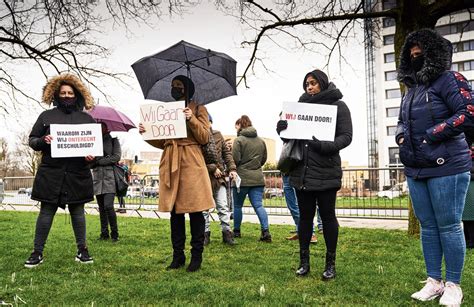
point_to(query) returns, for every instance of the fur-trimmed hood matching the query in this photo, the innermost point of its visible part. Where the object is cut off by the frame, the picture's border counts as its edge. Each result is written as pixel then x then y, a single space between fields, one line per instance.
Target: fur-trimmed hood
pixel 52 87
pixel 437 52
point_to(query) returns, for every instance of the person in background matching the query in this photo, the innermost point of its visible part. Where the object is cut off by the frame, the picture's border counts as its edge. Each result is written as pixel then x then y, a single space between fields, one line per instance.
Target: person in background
pixel 61 181
pixel 468 213
pixel 120 198
pixel 250 154
pixel 104 184
pixel 317 177
pixel 217 174
pixel 435 110
pixel 181 163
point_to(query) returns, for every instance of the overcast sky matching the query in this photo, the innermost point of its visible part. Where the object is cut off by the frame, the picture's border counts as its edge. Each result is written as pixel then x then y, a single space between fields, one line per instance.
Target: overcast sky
pixel 209 28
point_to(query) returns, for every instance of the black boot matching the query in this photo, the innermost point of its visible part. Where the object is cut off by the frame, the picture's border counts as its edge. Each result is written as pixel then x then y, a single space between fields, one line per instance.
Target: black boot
pixel 178 260
pixel 304 263
pixel 207 238
pixel 195 263
pixel 227 237
pixel 330 270
pixel 266 236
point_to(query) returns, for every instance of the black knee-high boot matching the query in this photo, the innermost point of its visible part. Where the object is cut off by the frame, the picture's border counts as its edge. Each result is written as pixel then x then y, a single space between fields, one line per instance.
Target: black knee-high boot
pixel 178 239
pixel 197 240
pixel 330 270
pixel 304 263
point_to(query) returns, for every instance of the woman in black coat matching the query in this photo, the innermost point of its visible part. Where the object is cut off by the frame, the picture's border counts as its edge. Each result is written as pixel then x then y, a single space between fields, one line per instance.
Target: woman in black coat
pixel 317 178
pixel 61 181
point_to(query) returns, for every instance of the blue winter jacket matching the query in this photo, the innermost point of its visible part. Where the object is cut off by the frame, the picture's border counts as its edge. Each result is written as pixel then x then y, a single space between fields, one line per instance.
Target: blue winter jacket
pixel 435 110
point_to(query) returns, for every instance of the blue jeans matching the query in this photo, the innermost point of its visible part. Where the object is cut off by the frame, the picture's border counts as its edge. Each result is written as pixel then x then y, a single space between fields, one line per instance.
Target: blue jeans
pixel 292 203
pixel 438 203
pixel 255 195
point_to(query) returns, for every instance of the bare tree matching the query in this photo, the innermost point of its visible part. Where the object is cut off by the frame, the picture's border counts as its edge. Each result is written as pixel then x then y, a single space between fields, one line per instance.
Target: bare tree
pixel 333 20
pixel 53 36
pixel 27 159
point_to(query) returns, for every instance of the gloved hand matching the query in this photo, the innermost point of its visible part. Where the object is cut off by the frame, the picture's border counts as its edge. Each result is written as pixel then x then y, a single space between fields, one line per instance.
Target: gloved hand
pixel 281 125
pixel 315 144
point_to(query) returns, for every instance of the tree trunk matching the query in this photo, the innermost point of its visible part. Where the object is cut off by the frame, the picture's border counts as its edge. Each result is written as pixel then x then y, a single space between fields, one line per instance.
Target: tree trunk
pixel 409 20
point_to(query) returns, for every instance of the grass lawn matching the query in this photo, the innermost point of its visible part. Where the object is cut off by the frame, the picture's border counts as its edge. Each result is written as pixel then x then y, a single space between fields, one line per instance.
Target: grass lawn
pixel 374 267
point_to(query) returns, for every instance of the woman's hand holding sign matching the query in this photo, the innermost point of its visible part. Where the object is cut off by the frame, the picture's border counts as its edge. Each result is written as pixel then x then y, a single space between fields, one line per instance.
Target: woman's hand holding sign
pixel 48 138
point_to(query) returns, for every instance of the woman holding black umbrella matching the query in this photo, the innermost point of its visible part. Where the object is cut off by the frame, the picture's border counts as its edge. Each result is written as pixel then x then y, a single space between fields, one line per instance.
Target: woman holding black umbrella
pixel 181 163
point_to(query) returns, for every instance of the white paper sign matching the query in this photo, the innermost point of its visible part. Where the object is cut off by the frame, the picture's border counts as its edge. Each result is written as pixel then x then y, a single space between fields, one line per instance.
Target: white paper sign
pixel 76 140
pixel 163 120
pixel 307 119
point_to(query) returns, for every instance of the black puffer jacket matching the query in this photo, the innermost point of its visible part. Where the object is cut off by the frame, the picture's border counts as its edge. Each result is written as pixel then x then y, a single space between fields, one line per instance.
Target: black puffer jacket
pixel 320 169
pixel 60 180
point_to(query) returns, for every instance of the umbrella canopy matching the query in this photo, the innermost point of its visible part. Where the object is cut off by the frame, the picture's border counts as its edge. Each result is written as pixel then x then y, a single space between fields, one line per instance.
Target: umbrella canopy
pixel 114 119
pixel 213 73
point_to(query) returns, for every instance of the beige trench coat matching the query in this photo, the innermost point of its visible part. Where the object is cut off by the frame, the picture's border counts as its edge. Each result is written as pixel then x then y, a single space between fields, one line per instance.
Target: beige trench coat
pixel 184 180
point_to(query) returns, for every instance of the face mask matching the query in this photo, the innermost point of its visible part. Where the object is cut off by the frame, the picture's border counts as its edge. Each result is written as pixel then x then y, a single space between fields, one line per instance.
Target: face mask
pixel 67 101
pixel 177 93
pixel 417 63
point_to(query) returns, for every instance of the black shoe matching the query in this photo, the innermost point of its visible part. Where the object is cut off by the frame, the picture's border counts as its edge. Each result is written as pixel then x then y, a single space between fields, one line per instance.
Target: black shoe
pixel 115 240
pixel 266 236
pixel 83 256
pixel 194 265
pixel 178 261
pixel 330 270
pixel 104 237
pixel 227 237
pixel 304 263
pixel 36 258
pixel 207 238
pixel 237 233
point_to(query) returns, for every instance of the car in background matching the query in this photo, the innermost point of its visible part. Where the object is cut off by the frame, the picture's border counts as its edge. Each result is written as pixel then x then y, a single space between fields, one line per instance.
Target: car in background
pixel 26 191
pixel 272 192
pixel 400 189
pixel 133 191
pixel 150 192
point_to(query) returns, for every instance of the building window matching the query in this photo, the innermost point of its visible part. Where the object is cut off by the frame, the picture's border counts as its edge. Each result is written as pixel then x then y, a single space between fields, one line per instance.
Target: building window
pixel 389 57
pixel 388 22
pixel 391 130
pixel 389 39
pixel 393 155
pixel 393 112
pixel 454 28
pixel 389 4
pixel 391 75
pixel 471 82
pixel 394 93
pixel 463 66
pixel 463 46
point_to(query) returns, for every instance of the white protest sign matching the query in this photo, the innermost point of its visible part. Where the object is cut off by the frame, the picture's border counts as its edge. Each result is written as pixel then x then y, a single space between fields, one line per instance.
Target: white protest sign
pixel 76 140
pixel 163 120
pixel 307 119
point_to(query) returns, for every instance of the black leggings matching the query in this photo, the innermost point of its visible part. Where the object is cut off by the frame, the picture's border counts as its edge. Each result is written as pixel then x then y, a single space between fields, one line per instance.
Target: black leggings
pixel 45 220
pixel 469 233
pixel 107 215
pixel 326 201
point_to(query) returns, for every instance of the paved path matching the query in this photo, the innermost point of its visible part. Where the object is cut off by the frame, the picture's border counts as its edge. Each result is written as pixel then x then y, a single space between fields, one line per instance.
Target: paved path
pixel 249 217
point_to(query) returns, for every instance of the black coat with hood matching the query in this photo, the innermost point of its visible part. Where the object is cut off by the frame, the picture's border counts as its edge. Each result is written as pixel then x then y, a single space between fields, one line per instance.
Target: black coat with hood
pixel 61 180
pixel 435 110
pixel 320 169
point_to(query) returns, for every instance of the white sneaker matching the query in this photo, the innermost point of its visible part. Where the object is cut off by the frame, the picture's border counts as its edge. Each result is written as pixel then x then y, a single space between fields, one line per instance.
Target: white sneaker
pixel 431 290
pixel 452 295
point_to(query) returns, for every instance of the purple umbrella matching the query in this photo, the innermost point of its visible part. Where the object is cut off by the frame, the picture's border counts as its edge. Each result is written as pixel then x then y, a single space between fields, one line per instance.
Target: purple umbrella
pixel 114 119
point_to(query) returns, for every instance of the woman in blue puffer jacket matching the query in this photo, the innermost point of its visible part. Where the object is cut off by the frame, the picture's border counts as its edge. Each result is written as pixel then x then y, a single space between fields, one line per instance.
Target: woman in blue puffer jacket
pixel 435 110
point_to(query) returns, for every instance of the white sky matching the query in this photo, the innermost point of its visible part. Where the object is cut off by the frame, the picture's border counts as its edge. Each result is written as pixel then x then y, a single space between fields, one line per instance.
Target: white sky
pixel 209 28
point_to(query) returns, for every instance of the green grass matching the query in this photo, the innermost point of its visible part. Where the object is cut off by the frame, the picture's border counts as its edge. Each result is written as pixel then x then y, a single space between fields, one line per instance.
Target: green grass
pixel 375 267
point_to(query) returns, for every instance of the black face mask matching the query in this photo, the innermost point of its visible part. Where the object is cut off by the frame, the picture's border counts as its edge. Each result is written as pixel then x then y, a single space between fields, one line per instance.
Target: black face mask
pixel 177 92
pixel 417 63
pixel 67 101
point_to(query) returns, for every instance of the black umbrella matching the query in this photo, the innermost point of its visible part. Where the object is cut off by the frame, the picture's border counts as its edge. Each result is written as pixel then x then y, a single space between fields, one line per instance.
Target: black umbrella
pixel 213 73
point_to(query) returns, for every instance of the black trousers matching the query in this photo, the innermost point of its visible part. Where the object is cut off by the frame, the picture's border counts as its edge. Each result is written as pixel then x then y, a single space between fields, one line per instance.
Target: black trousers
pixel 45 221
pixel 107 215
pixel 469 233
pixel 178 233
pixel 326 201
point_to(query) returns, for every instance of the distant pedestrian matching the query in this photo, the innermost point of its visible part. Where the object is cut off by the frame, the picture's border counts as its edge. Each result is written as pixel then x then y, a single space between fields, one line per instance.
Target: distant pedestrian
pixel 435 110
pixel 120 197
pixel 61 181
pixel 317 177
pixel 250 154
pixel 217 174
pixel 468 213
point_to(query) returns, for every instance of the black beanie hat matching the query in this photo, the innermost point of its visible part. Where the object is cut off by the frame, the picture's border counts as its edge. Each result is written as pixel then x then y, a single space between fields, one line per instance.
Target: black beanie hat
pixel 320 76
pixel 188 84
